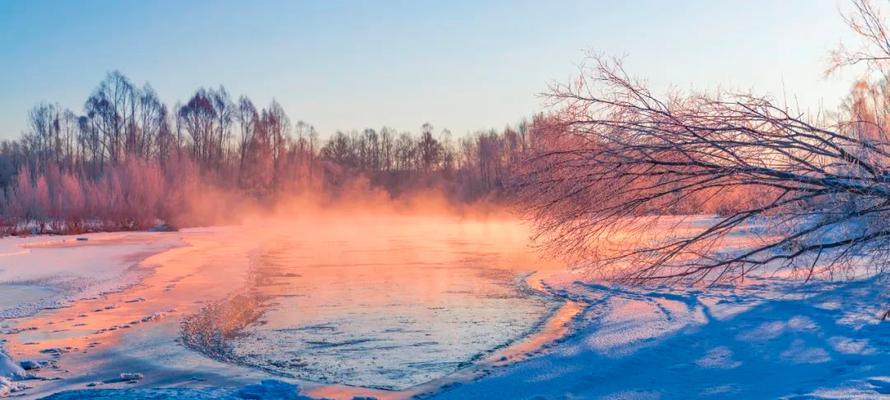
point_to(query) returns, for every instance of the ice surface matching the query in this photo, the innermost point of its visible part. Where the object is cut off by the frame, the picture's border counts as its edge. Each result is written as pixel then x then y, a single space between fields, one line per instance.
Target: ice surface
pixel 397 307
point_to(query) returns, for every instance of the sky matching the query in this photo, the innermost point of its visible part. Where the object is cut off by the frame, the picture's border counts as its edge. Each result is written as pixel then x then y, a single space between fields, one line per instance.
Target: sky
pixel 464 65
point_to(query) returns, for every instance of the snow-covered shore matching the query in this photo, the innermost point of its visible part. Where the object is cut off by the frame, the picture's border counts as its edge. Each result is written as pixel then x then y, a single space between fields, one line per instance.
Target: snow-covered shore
pixel 769 339
pixel 74 298
pixel 40 272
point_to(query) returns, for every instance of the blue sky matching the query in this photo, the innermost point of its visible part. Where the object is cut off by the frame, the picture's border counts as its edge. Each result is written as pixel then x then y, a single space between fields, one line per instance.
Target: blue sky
pixel 463 65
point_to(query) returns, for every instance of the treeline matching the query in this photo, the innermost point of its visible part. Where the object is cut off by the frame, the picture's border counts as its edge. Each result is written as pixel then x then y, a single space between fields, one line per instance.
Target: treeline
pixel 127 161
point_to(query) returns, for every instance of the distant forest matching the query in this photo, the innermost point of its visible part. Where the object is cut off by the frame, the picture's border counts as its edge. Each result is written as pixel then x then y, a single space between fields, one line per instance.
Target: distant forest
pixel 128 161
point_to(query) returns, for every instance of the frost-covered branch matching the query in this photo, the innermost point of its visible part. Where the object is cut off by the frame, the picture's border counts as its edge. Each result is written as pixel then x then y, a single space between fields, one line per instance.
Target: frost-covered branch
pixel 617 156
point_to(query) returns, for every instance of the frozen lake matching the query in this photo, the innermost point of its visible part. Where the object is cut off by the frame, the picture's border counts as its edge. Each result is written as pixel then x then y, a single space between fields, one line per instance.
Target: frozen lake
pixel 387 301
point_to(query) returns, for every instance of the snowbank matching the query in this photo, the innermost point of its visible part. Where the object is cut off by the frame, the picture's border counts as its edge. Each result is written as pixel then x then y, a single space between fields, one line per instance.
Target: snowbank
pixel 10 373
pixel 8 368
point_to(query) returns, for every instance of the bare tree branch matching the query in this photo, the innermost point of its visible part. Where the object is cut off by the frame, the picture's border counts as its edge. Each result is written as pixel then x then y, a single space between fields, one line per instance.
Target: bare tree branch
pixel 616 157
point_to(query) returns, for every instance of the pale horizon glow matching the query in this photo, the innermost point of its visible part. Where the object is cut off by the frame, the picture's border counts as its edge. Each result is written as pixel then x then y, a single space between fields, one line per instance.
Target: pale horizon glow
pixel 461 65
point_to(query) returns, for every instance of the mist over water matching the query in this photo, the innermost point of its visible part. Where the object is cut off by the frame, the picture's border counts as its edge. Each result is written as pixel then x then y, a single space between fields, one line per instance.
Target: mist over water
pixel 384 300
pixel 365 291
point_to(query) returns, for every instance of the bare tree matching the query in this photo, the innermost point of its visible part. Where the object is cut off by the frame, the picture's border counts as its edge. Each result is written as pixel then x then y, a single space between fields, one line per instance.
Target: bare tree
pixel 112 109
pixel 865 21
pixel 151 120
pixel 277 125
pixel 199 118
pixel 614 155
pixel 429 149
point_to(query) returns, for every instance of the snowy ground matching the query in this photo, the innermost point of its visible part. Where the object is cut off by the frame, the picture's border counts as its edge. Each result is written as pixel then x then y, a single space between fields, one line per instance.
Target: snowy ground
pixel 768 338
